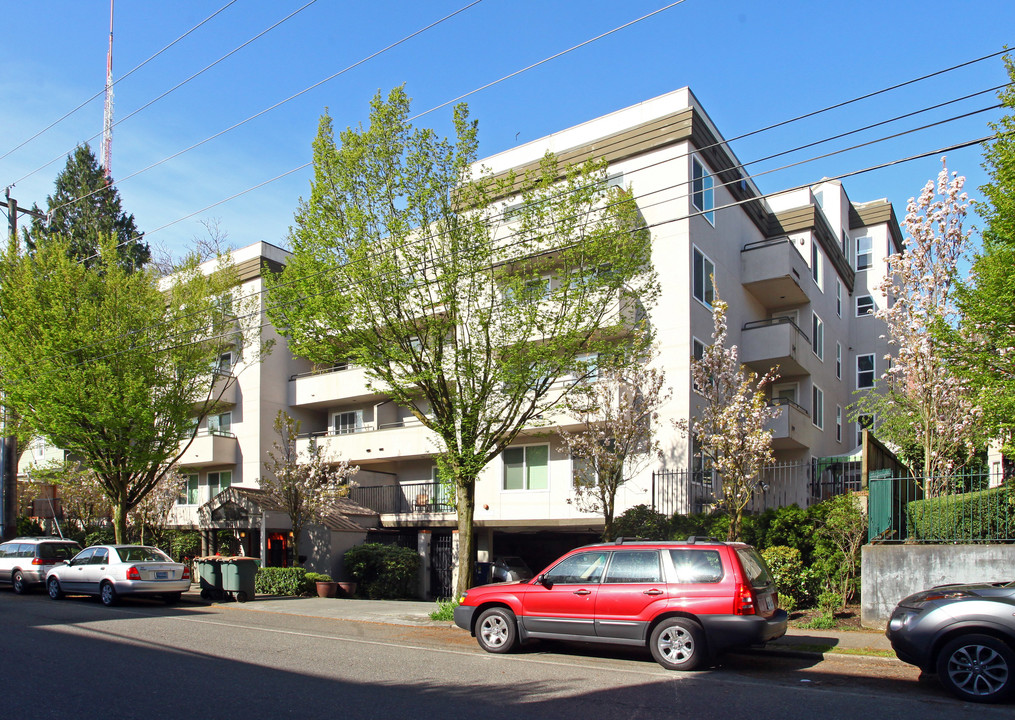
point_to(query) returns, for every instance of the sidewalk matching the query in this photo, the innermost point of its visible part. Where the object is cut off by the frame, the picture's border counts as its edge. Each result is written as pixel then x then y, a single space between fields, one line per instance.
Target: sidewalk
pixel 415 612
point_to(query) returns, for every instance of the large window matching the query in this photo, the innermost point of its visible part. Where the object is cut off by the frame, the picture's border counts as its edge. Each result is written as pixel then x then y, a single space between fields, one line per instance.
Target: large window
pixel 818 407
pixel 865 371
pixel 702 190
pixel 817 336
pixel 344 423
pixel 219 481
pixel 220 424
pixel 703 271
pixel 864 253
pixel 527 468
pixel 189 494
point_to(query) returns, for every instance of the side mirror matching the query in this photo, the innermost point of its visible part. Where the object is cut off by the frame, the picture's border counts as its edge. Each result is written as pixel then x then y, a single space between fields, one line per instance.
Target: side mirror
pixel 545 581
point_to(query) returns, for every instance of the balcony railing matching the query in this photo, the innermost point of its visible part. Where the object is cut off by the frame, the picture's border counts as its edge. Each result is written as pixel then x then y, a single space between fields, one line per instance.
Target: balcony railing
pixel 776 341
pixel 418 498
pixel 775 272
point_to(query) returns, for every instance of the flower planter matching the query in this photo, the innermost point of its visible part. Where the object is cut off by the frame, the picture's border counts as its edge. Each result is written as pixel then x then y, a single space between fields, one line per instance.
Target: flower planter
pixel 327 589
pixel 348 588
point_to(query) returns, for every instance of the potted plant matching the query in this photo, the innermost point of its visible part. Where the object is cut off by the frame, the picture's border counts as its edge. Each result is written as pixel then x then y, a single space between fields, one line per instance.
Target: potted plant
pixel 326 587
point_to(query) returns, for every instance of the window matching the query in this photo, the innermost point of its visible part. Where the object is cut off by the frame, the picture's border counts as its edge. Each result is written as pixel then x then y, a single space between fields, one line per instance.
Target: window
pixel 703 284
pixel 864 305
pixel 587 367
pixel 526 468
pixel 865 371
pixel 529 290
pixel 838 297
pixel 817 336
pixel 863 422
pixel 224 364
pixel 818 407
pixel 583 473
pixel 220 424
pixel 582 568
pixel 782 394
pixel 701 466
pixel 701 190
pixel 697 566
pixel 39 449
pixel 838 361
pixel 697 349
pixel 864 247
pixel 189 494
pixel 845 244
pixel 344 423
pixel 634 566
pixel 817 271
pixel 838 423
pixel 219 481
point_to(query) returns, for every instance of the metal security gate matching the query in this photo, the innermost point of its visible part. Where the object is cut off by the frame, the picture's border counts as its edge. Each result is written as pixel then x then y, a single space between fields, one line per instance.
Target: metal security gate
pixel 442 564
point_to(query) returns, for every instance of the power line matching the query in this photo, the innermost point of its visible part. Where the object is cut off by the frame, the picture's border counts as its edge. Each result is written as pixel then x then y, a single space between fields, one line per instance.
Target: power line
pixel 123 77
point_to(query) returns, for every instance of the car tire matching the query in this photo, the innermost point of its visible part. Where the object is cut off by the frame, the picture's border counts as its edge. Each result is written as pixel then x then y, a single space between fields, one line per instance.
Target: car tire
pixel 678 644
pixel 977 668
pixel 107 593
pixel 53 588
pixel 171 598
pixel 18 582
pixel 497 630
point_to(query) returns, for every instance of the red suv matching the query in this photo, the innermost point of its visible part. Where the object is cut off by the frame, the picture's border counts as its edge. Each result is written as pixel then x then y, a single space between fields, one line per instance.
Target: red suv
pixel 687 601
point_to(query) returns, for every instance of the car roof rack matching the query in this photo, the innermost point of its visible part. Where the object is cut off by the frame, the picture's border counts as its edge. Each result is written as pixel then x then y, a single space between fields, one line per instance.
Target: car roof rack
pixel 703 540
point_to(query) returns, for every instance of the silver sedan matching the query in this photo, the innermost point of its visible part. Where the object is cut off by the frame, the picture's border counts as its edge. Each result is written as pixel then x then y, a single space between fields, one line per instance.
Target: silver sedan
pixel 110 571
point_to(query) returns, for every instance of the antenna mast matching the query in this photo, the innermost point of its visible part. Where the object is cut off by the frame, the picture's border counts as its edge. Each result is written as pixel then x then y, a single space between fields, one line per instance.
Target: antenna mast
pixel 107 118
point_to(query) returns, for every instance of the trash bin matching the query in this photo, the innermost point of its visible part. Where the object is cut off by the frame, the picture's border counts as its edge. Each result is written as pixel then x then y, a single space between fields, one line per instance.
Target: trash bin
pixel 209 571
pixel 238 577
pixel 483 574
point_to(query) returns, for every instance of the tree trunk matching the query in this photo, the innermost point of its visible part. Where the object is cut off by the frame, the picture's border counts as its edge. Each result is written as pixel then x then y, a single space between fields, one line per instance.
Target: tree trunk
pixel 466 537
pixel 120 521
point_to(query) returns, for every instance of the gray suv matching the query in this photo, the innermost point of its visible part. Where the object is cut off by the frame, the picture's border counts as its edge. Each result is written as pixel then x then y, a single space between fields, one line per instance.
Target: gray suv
pixel 24 561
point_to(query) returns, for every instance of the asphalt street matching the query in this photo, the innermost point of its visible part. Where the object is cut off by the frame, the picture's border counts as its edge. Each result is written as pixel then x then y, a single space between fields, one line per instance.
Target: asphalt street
pixel 76 658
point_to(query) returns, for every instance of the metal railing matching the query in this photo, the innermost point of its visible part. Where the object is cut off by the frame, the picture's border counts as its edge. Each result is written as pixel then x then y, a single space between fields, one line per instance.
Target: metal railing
pixel 417 498
pixel 977 507
pixel 772 322
pixel 699 491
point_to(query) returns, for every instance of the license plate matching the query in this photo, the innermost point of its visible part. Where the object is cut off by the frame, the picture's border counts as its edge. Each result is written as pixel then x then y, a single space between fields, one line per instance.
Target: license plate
pixel 766 603
pixel 161 575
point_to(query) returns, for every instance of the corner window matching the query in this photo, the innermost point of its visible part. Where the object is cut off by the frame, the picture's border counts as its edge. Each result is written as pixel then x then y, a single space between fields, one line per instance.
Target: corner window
pixel 702 185
pixel 817 336
pixel 865 371
pixel 864 305
pixel 818 407
pixel 864 248
pixel 703 286
pixel 526 468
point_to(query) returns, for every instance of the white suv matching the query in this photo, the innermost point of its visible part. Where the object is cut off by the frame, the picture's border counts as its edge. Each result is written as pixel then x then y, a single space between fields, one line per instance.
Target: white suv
pixel 24 561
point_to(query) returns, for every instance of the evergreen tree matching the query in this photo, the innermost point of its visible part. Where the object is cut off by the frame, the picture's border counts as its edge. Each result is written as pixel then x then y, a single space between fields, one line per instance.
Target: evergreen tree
pixel 84 208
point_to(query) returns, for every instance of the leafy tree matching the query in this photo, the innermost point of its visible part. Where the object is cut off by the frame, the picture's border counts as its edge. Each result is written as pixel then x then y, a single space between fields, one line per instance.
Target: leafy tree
pixel 150 517
pixel 844 529
pixel 465 296
pixel 616 414
pixel 85 505
pixel 304 490
pixel 85 208
pixel 113 367
pixel 730 426
pixel 922 400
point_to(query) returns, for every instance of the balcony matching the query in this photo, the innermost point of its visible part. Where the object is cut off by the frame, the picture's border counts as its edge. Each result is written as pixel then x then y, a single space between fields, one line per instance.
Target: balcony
pixel 223 391
pixel 322 389
pixel 777 342
pixel 208 450
pixel 775 273
pixel 792 429
pixel 405 440
pixel 419 498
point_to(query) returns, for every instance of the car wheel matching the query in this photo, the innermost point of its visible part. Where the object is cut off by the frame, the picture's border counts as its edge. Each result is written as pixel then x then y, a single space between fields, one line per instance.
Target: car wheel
pixel 977 668
pixel 678 644
pixel 107 593
pixel 53 587
pixel 241 596
pixel 18 582
pixel 497 630
pixel 171 598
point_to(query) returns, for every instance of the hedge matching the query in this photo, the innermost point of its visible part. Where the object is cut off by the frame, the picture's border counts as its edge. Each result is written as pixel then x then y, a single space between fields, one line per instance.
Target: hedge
pixel 383 571
pixel 281 581
pixel 974 516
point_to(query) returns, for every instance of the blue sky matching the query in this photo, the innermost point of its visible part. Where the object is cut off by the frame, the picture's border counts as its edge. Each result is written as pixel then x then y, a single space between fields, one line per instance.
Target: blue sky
pixel 751 64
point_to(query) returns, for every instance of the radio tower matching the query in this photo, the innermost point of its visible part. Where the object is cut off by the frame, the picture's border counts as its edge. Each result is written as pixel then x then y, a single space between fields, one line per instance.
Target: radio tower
pixel 107 117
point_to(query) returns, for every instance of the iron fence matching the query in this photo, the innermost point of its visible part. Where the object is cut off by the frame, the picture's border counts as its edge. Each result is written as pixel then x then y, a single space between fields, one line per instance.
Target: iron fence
pixel 970 507
pixel 426 497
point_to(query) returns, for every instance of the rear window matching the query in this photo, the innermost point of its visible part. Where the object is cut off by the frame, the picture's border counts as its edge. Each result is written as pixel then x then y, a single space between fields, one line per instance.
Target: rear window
pixel 754 567
pixel 142 554
pixel 697 566
pixel 58 551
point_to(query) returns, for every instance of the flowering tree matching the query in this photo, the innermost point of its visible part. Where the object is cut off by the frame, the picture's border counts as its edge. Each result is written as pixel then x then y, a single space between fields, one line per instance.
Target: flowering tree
pixel 304 490
pixel 730 427
pixel 924 407
pixel 150 516
pixel 82 499
pixel 616 413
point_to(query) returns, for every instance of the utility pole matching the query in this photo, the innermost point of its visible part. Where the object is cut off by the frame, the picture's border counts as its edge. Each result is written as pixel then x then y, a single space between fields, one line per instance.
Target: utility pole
pixel 9 443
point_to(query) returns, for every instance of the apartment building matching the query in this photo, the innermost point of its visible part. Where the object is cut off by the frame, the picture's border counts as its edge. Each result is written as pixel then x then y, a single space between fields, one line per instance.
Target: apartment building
pixel 800 270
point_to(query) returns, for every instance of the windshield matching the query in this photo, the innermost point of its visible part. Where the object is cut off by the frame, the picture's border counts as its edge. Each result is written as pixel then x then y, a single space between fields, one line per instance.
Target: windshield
pixel 142 554
pixel 58 551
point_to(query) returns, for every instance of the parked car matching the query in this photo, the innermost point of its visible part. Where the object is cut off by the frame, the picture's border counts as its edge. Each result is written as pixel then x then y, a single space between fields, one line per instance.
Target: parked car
pixel 510 568
pixel 686 601
pixel 963 633
pixel 111 571
pixel 25 561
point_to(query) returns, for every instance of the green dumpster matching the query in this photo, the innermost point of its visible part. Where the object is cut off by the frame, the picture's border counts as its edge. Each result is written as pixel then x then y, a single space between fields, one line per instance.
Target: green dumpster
pixel 238 577
pixel 209 571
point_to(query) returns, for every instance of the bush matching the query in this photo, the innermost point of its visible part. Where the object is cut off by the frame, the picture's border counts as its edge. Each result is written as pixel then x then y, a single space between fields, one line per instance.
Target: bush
pixel 281 581
pixel 644 522
pixel 102 536
pixel 445 610
pixel 383 571
pixel 27 527
pixel 795 581
pixel 313 578
pixel 982 515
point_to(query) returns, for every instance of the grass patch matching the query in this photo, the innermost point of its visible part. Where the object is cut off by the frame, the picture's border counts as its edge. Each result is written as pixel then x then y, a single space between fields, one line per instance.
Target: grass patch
pixel 445 610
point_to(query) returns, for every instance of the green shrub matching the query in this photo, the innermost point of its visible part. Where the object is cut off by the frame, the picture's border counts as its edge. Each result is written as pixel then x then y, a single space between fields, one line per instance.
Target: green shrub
pixel 644 522
pixel 102 536
pixel 383 571
pixel 28 527
pixel 787 603
pixel 281 581
pixel 313 577
pixel 445 610
pixel 821 622
pixel 829 602
pixel 982 515
pixel 795 581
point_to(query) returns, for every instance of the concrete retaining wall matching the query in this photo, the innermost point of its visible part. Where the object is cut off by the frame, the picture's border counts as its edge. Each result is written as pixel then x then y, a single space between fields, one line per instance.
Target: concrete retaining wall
pixel 891 572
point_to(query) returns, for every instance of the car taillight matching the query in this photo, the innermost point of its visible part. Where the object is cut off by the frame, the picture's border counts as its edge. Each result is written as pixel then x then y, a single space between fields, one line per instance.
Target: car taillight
pixel 42 561
pixel 133 574
pixel 743 603
pixel 186 573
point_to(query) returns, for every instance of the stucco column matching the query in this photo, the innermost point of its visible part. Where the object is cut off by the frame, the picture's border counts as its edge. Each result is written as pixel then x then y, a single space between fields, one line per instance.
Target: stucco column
pixel 423 548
